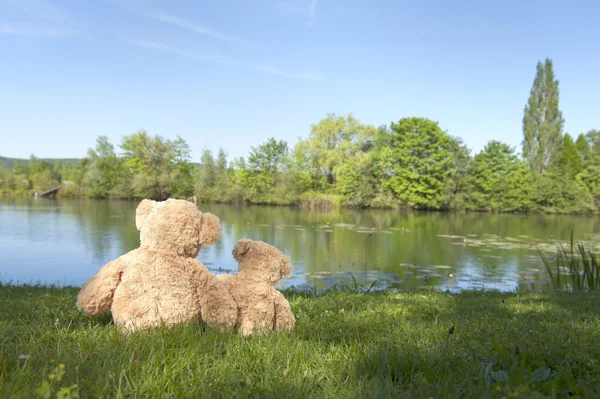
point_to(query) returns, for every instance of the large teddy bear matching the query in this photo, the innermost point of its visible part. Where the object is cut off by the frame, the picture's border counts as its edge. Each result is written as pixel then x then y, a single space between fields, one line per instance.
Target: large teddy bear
pixel 261 308
pixel 162 282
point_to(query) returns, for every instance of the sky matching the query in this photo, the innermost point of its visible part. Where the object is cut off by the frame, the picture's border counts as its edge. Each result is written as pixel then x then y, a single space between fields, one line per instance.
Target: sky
pixel 232 73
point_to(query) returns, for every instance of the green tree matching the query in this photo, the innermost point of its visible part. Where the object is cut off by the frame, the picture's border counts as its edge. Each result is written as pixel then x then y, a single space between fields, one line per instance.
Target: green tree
pixel 459 181
pixel 570 160
pixel 205 189
pixel 103 172
pixel 583 146
pixel 264 164
pixel 590 174
pixel 494 172
pixel 333 143
pixel 421 162
pixel 160 168
pixel 543 121
pixel 223 177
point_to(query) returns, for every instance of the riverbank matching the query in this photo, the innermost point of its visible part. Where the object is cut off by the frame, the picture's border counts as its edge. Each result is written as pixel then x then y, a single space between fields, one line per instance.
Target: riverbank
pixel 309 202
pixel 346 344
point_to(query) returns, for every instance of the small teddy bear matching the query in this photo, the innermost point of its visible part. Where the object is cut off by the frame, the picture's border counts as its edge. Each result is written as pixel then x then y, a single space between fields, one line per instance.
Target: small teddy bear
pixel 162 282
pixel 261 307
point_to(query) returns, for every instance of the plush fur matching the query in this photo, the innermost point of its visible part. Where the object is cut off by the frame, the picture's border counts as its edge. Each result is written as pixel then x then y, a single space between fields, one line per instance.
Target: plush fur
pixel 261 307
pixel 162 282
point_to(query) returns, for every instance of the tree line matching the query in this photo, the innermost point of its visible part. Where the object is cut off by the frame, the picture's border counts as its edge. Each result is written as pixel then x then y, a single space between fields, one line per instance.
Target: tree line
pixel 412 163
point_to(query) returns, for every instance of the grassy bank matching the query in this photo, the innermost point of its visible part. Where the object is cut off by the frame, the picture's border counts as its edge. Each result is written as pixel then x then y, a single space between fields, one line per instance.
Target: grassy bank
pixel 345 345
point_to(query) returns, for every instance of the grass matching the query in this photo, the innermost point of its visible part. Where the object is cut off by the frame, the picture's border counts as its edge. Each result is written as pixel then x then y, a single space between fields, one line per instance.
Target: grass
pixel 346 344
pixel 575 269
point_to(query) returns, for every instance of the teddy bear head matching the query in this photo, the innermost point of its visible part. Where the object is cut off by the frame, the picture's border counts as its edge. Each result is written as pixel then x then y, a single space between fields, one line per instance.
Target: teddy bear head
pixel 176 227
pixel 261 260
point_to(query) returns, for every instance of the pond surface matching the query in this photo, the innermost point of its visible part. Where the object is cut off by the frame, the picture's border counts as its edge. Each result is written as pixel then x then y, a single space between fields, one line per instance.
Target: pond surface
pixel 66 241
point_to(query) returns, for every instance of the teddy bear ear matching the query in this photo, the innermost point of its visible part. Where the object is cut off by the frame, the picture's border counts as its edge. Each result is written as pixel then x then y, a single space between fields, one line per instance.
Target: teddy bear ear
pixel 210 231
pixel 241 248
pixel 142 212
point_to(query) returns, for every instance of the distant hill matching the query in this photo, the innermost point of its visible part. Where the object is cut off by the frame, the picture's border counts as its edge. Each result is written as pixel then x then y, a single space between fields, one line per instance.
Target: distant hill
pixel 10 162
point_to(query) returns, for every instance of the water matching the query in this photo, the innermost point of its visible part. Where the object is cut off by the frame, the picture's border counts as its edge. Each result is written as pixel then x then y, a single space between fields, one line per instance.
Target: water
pixel 66 242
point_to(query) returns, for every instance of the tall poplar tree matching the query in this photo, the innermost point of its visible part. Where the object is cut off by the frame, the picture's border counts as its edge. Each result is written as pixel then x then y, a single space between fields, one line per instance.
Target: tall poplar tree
pixel 543 121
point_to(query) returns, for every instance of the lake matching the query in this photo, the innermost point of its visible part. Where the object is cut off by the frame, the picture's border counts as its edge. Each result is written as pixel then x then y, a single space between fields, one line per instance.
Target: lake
pixel 66 241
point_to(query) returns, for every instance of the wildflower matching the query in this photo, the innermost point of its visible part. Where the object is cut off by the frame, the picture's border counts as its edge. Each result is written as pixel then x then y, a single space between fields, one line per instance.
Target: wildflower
pixel 451 275
pixel 342 310
pixel 23 357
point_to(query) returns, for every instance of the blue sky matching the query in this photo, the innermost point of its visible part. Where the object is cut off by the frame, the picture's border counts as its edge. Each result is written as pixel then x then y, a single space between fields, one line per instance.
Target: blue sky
pixel 232 73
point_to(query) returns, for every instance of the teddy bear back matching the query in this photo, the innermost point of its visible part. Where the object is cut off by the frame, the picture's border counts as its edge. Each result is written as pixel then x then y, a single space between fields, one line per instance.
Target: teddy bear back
pixel 176 227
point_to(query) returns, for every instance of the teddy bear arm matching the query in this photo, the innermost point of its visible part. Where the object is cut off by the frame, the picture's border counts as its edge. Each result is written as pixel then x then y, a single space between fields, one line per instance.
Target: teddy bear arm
pixel 96 295
pixel 284 317
pixel 225 278
pixel 217 306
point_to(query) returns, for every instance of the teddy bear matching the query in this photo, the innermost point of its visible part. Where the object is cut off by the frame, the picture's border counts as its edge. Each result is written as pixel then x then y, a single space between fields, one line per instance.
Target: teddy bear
pixel 162 282
pixel 260 307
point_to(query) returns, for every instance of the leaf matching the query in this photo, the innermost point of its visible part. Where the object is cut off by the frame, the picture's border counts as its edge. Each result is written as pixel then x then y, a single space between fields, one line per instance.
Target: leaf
pixel 500 376
pixel 68 393
pixel 496 346
pixel 44 390
pixel 540 374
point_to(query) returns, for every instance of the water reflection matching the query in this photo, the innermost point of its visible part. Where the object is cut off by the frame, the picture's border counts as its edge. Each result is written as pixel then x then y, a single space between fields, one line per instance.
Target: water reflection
pixel 66 241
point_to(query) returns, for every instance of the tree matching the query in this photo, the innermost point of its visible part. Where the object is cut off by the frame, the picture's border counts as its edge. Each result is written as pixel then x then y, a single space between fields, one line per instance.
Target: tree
pixel 570 159
pixel 333 143
pixel 459 181
pixel 160 168
pixel 495 178
pixel 223 177
pixel 583 146
pixel 421 162
pixel 590 174
pixel 543 121
pixel 103 172
pixel 265 162
pixel 268 156
pixel 206 177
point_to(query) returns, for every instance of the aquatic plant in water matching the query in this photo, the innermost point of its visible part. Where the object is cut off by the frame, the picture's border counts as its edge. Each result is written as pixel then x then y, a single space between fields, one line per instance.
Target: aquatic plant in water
pixel 575 269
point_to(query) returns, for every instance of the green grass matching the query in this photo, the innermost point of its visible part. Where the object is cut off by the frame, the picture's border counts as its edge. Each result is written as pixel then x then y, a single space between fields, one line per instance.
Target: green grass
pixel 345 345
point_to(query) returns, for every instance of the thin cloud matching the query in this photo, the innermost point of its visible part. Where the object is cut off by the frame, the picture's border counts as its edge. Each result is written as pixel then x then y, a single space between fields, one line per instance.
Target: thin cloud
pixel 310 76
pixel 213 58
pixel 275 71
pixel 8 29
pixel 220 59
pixel 39 9
pixel 181 23
pixel 288 75
pixel 197 28
pixel 305 8
pixel 312 12
pixel 312 9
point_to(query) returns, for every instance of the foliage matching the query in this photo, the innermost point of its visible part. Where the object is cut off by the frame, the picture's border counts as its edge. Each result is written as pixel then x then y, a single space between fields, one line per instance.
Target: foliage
pixel 543 121
pixel 499 179
pixel 576 270
pixel 345 344
pixel 412 163
pixel 103 172
pixel 420 162
pixel 336 154
pixel 571 161
pixel 160 168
